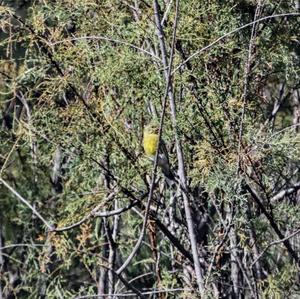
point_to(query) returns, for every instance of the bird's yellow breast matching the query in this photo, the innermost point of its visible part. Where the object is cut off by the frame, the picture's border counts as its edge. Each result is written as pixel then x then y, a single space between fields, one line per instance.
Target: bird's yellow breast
pixel 150 143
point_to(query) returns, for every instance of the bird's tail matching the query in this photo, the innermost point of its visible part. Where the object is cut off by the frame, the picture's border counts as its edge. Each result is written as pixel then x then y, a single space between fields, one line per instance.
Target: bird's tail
pixel 163 163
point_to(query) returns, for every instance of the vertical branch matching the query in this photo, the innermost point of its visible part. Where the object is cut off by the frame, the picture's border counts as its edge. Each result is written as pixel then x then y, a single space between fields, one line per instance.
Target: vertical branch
pixel 296 109
pixel 172 225
pixel 1 259
pixel 24 201
pixel 246 75
pixel 181 168
pixel 253 239
pixel 56 171
pixel 103 270
pixel 295 242
pixel 108 246
pixel 152 232
pixel 43 283
pixel 234 252
pixel 273 224
pixel 112 236
pixel 147 209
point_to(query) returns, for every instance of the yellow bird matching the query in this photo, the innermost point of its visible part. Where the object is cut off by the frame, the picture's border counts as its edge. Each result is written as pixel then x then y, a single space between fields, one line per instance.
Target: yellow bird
pixel 151 144
pixel 150 140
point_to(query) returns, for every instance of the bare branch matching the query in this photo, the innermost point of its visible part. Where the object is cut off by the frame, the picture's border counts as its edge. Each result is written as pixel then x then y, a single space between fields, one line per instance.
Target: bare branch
pixel 274 243
pixel 94 213
pixel 168 82
pixel 22 245
pixel 151 292
pixel 109 39
pixel 182 176
pixel 246 79
pixel 285 192
pixel 230 33
pixel 23 200
pixel 273 224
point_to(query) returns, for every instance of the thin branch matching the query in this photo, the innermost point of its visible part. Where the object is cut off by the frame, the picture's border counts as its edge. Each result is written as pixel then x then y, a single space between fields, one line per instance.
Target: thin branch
pixel 217 248
pixel 230 33
pixel 274 243
pixel 136 278
pixel 166 13
pixel 23 200
pixel 128 284
pixel 98 37
pixel 163 291
pixel 173 239
pixel 273 224
pixel 285 129
pixel 246 80
pixel 168 81
pixel 139 242
pixel 15 145
pixel 181 170
pixel 285 192
pixel 278 102
pixel 22 245
pixel 93 213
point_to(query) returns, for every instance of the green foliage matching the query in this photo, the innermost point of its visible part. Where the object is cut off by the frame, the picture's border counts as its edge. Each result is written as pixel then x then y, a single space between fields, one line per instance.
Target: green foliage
pixel 280 284
pixel 80 80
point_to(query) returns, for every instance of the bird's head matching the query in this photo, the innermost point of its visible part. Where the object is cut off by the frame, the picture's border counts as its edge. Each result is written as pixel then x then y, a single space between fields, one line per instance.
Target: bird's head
pixel 152 128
